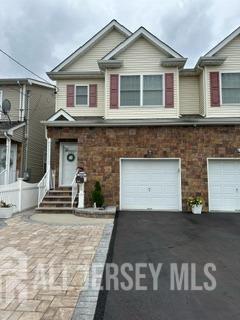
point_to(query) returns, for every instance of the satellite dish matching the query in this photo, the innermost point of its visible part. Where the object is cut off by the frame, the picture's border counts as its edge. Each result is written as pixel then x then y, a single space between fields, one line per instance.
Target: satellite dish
pixel 6 106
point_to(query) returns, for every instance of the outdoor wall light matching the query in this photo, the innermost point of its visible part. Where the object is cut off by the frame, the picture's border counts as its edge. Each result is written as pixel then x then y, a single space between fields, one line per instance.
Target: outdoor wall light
pixel 238 150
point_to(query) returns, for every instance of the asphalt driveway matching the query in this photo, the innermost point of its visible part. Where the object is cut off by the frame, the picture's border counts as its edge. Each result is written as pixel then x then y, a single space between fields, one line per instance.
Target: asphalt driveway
pixel 176 238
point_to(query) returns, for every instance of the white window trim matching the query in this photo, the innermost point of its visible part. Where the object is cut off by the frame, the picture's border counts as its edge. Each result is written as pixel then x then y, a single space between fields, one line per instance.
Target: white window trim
pixel 141 89
pixel 1 98
pixel 220 85
pixel 75 95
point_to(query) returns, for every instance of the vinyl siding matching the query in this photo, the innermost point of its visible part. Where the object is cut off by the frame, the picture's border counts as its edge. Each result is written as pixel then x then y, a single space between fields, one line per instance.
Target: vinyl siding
pixel 11 93
pixel 88 62
pixel 232 63
pixel 189 99
pixel 202 95
pixel 61 98
pixel 18 134
pixel 41 104
pixel 141 57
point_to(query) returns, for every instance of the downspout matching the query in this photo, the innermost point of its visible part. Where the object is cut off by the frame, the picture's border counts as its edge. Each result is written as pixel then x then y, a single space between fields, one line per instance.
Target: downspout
pixel 8 157
pixel 26 137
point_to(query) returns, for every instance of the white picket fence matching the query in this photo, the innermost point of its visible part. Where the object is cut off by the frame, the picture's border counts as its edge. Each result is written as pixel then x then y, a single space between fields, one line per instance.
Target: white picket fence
pixel 21 194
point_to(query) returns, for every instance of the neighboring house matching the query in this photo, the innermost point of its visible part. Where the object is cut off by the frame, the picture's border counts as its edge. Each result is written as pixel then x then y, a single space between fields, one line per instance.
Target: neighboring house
pixel 152 132
pixel 23 138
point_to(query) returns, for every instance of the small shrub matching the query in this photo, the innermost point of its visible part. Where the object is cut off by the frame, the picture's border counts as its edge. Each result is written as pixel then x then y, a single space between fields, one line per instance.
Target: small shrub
pixel 5 205
pixel 97 196
pixel 191 201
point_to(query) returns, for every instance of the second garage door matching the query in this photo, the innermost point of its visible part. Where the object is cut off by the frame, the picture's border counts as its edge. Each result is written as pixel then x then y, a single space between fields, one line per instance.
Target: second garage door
pixel 224 185
pixel 150 184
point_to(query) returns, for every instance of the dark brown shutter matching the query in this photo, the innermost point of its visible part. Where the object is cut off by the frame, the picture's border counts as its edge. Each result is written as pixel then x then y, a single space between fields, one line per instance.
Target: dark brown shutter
pixel 93 95
pixel 169 90
pixel 214 89
pixel 70 95
pixel 114 80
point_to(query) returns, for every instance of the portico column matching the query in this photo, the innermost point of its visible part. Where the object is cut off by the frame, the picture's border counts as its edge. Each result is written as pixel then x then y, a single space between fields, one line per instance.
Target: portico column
pixel 48 161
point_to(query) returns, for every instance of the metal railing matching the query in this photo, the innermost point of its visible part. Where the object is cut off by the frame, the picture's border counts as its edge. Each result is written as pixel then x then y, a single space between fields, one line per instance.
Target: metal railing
pixel 3 176
pixel 74 188
pixel 43 187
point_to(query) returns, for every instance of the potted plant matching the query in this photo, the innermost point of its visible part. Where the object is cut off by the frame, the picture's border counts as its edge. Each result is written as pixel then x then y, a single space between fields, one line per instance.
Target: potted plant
pixel 196 204
pixel 97 196
pixel 6 210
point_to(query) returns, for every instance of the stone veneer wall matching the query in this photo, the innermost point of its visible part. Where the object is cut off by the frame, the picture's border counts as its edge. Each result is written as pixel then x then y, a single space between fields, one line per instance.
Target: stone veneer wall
pixel 99 150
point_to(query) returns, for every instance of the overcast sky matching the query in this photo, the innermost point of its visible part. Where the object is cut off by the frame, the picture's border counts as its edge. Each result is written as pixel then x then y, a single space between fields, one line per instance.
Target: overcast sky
pixel 41 33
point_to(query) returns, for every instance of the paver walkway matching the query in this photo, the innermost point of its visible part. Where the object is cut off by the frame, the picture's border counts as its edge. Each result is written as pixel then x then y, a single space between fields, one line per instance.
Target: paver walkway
pixel 43 268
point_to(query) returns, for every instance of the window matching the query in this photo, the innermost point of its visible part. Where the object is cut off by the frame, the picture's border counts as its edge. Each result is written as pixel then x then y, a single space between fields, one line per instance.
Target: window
pixel 130 91
pixel 152 90
pixel 231 88
pixel 82 95
pixel 141 90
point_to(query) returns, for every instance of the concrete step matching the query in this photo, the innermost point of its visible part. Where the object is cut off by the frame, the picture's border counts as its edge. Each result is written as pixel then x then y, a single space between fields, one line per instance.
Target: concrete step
pixel 59 193
pixel 57 198
pixel 57 204
pixel 54 210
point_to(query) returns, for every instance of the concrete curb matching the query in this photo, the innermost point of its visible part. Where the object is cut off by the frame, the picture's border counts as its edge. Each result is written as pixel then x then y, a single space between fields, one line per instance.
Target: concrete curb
pixel 87 301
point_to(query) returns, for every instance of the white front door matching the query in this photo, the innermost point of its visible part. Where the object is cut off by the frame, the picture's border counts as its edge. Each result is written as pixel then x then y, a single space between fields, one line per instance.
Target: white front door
pixel 68 163
pixel 224 185
pixel 13 162
pixel 150 184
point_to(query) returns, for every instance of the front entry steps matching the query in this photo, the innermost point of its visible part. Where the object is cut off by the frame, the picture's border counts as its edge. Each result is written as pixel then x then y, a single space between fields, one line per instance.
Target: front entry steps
pixel 58 201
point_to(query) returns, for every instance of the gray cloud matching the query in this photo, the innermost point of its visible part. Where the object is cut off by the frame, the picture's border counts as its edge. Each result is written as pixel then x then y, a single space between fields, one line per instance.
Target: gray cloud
pixel 42 33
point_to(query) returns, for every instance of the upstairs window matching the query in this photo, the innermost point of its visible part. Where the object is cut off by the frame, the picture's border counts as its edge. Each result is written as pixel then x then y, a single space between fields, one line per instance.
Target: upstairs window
pixel 82 96
pixel 152 90
pixel 141 90
pixel 230 88
pixel 130 91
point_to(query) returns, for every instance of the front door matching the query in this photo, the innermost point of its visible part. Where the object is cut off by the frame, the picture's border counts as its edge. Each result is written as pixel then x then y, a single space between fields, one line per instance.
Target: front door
pixel 68 163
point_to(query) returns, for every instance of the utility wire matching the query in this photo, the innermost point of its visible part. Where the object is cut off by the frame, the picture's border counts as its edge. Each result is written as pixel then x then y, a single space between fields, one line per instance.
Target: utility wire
pixel 21 65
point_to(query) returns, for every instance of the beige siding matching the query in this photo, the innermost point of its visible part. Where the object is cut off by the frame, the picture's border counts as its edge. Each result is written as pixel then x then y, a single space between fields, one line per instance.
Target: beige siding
pixel 88 62
pixel 189 95
pixel 81 111
pixel 232 63
pixel 41 108
pixel 11 93
pixel 142 57
pixel 201 95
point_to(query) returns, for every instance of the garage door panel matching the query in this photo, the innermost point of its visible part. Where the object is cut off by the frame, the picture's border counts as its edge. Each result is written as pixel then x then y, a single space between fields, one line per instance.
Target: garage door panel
pixel 224 182
pixel 150 184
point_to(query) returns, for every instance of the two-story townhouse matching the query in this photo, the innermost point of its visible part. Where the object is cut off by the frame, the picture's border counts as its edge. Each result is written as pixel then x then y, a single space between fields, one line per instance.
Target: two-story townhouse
pixel 22 136
pixel 152 132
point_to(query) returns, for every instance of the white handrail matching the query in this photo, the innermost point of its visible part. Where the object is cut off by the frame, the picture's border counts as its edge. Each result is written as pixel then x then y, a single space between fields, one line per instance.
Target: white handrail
pixel 3 176
pixel 43 187
pixel 74 188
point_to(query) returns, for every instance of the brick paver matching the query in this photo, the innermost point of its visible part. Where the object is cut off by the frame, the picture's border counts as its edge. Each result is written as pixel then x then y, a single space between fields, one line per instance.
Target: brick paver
pixel 43 268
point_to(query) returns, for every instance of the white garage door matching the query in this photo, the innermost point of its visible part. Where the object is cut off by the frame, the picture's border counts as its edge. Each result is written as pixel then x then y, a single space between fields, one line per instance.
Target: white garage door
pixel 224 185
pixel 149 184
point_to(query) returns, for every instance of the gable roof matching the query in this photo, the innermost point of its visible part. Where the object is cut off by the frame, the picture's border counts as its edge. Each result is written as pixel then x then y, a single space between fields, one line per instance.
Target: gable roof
pixel 114 24
pixel 223 43
pixel 142 32
pixel 61 115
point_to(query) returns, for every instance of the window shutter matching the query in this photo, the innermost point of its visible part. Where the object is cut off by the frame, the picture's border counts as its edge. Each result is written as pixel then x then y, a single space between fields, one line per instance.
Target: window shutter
pixel 70 95
pixel 169 90
pixel 214 88
pixel 114 79
pixel 93 95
